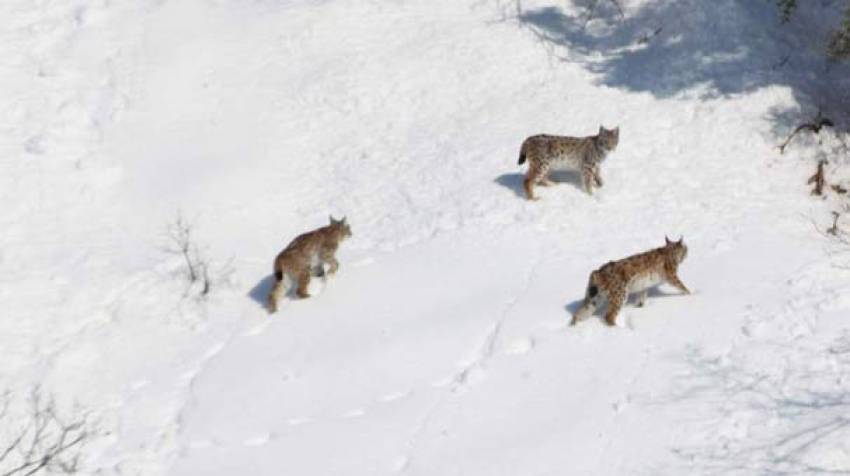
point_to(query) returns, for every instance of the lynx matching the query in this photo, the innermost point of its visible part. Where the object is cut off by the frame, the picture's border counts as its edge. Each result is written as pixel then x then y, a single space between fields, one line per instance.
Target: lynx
pixel 306 256
pixel 635 274
pixel 547 153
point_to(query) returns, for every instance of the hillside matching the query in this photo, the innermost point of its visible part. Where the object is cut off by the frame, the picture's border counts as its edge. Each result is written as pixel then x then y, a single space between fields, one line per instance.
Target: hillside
pixel 442 347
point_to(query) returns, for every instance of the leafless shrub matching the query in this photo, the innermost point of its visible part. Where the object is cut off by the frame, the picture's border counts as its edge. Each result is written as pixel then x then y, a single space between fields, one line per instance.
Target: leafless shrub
pixel 182 243
pixel 839 237
pixel 199 273
pixel 45 443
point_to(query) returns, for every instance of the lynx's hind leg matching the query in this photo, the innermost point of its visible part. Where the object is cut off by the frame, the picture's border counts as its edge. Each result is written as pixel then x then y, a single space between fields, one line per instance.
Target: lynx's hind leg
pixel 543 177
pixel 533 176
pixel 641 300
pixel 528 185
pixel 276 292
pixel 615 302
pixel 303 283
pixel 588 180
pixel 592 299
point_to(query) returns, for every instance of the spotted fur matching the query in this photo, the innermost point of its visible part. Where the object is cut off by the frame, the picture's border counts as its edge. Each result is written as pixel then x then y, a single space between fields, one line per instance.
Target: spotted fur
pixel 615 280
pixel 306 256
pixel 546 153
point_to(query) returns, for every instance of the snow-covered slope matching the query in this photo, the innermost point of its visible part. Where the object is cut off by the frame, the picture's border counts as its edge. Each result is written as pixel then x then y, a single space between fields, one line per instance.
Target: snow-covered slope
pixel 442 346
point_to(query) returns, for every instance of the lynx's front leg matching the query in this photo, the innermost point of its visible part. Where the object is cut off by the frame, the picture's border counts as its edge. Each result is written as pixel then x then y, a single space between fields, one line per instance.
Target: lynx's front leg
pixel 673 279
pixel 327 256
pixel 596 177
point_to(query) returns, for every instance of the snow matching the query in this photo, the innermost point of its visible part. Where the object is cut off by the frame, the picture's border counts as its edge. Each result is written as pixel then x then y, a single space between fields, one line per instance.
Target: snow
pixel 442 346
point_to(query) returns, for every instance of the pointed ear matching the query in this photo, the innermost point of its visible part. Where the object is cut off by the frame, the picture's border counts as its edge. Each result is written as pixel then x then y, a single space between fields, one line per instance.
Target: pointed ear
pixel 331 217
pixel 667 240
pixel 601 129
pixel 344 220
pixel 681 239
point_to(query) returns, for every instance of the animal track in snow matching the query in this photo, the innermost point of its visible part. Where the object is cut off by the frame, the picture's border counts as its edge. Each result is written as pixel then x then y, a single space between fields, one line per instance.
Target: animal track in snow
pixel 299 420
pixel 258 440
pixel 391 397
pixel 401 463
pixel 357 412
pixel 363 262
pixel 200 444
pixel 520 346
pixel 258 329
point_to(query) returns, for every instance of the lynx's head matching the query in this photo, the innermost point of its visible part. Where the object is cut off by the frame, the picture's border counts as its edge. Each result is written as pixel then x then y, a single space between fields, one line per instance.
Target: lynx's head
pixel 676 248
pixel 340 227
pixel 609 138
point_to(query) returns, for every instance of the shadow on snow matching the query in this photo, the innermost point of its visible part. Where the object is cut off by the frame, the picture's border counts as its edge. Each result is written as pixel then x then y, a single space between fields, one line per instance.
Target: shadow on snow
pixel 702 49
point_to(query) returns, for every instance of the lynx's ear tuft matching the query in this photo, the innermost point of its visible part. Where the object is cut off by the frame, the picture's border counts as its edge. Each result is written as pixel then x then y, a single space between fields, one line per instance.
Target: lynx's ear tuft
pixel 667 241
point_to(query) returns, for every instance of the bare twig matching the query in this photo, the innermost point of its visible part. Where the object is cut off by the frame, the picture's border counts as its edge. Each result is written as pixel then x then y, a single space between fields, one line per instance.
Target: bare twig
pixel 182 243
pixel 649 36
pixel 814 126
pixel 591 10
pixel 818 179
pixel 782 62
pixel 833 230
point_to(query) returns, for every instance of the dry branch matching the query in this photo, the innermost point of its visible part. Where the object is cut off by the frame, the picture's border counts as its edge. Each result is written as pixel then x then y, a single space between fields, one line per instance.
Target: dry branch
pixel 182 243
pixel 814 126
pixel 818 179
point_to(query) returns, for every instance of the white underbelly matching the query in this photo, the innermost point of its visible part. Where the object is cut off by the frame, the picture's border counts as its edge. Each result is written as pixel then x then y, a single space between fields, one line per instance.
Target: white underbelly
pixel 563 165
pixel 644 282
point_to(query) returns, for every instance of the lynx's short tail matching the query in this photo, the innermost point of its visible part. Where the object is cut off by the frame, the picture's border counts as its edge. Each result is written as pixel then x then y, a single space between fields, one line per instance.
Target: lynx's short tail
pixel 522 152
pixel 592 291
pixel 590 301
pixel 592 287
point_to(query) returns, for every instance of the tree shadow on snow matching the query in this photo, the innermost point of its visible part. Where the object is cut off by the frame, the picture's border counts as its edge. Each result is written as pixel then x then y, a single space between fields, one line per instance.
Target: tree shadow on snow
pixel 694 48
pixel 794 413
